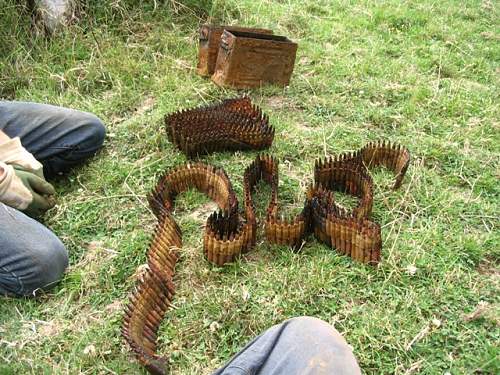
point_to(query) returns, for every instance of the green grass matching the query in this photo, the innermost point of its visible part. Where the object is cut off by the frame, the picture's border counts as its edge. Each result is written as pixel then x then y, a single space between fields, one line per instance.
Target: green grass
pixel 424 74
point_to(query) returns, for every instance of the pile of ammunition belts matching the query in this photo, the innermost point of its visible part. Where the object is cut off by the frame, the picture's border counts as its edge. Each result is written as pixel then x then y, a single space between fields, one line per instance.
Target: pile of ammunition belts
pixel 234 124
pixel 229 232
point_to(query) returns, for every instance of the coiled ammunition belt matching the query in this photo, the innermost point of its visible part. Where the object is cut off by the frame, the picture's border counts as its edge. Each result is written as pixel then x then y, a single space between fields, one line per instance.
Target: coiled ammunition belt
pixel 234 124
pixel 230 232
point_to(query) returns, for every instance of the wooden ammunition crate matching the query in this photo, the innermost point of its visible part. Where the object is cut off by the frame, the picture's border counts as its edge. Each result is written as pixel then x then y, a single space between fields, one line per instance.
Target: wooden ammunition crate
pixel 209 45
pixel 248 60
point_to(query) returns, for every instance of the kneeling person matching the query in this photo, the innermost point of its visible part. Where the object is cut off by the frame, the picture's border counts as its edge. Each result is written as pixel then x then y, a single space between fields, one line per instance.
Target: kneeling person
pixel 37 142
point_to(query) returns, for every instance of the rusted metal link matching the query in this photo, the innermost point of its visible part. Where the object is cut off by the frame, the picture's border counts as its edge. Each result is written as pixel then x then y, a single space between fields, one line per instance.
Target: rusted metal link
pixel 229 232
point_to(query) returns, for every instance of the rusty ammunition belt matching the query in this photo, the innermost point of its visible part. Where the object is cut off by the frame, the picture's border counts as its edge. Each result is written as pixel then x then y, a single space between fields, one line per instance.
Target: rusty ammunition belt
pixel 234 124
pixel 229 232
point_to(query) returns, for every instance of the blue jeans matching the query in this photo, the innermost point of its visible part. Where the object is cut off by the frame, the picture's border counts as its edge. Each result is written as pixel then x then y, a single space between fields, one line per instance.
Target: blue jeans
pixel 31 256
pixel 299 346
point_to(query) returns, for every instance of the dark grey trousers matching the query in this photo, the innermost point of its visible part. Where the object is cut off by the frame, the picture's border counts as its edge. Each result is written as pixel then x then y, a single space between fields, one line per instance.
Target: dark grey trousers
pixel 31 256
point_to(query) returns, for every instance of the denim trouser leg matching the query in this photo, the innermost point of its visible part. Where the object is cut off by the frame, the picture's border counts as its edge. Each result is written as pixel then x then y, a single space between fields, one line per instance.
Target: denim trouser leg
pixel 31 256
pixel 299 346
pixel 59 138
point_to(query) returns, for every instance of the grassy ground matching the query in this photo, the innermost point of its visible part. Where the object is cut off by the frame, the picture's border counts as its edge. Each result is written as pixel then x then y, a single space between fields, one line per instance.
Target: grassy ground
pixel 424 74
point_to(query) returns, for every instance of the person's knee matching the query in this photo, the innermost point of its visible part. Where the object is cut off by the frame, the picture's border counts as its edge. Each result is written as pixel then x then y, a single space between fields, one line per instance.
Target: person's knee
pixel 309 326
pixel 82 136
pixel 52 264
pixel 325 346
pixel 95 131
pixel 49 261
pixel 310 323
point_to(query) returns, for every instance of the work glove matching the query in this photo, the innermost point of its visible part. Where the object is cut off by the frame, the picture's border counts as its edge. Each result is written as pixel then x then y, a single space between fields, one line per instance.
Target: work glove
pixel 25 191
pixel 13 153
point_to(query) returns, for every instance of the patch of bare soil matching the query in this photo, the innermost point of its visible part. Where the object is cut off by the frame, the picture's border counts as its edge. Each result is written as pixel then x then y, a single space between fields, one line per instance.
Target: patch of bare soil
pixel 145 106
pixel 484 310
pixel 202 213
pixel 279 102
pixel 489 267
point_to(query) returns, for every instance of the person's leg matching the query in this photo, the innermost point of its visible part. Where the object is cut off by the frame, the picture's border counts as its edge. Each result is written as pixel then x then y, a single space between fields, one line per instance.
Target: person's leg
pixel 31 256
pixel 59 138
pixel 303 345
